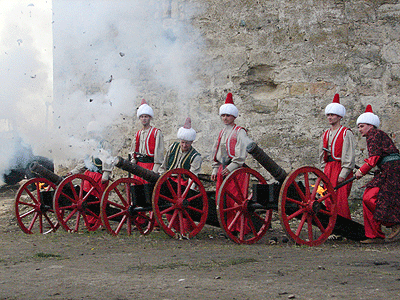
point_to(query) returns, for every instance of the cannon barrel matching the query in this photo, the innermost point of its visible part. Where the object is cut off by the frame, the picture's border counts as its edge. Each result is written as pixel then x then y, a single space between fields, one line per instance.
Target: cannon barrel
pixel 134 169
pixel 272 167
pixel 41 171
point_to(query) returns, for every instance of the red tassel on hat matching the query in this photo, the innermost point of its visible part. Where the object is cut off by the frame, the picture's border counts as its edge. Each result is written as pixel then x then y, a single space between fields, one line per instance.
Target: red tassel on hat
pixel 336 99
pixel 229 99
pixel 143 102
pixel 188 123
pixel 369 108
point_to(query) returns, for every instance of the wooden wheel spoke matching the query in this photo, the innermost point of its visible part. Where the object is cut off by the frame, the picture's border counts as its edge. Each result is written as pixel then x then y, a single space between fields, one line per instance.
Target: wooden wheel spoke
pixel 195 209
pixel 167 198
pixel 235 219
pixel 27 213
pixel 121 223
pixel 318 224
pixel 301 224
pixel 315 188
pixel 33 197
pixel 239 190
pixel 310 228
pixel 295 214
pixel 170 188
pixel 189 219
pixel 33 221
pixel 299 203
pixel 173 218
pixel 72 188
pixel 167 210
pixel 233 197
pixel 116 215
pixel 73 200
pixel 121 197
pixel 299 191
pixel 229 209
pixel 49 221
pixel 117 205
pixel 71 214
pixel 27 204
pixel 78 218
pixel 194 197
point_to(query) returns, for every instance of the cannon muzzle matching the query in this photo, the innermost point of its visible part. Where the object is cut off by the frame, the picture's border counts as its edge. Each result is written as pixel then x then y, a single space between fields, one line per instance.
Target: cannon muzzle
pixel 41 171
pixel 272 167
pixel 134 169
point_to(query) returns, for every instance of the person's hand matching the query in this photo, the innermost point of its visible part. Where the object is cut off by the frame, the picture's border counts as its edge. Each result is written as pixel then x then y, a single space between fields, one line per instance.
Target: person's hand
pixel 214 177
pixel 225 172
pixel 359 174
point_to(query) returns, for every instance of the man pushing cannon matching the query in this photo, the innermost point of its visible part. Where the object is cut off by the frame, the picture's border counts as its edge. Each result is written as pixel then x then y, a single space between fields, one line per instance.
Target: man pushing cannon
pixel 381 199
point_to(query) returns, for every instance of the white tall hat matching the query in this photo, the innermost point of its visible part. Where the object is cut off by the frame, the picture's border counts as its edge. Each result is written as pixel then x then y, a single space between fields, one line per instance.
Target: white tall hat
pixel 145 109
pixel 335 107
pixel 368 117
pixel 186 132
pixel 229 108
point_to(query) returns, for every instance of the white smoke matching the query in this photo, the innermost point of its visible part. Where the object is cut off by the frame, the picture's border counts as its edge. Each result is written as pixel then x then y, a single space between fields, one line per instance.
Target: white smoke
pixel 106 56
pixel 26 77
pixel 109 53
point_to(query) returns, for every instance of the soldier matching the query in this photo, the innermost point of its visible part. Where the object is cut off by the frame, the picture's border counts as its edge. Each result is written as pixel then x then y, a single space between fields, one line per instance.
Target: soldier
pixel 229 152
pixel 181 154
pixel 381 199
pixel 337 155
pixel 147 148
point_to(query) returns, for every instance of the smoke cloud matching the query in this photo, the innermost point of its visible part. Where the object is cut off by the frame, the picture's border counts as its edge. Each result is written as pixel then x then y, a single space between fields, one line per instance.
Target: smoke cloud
pixel 79 62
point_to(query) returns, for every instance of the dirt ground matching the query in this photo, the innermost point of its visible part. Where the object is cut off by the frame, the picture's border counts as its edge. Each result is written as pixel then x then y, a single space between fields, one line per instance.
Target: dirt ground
pixel 99 266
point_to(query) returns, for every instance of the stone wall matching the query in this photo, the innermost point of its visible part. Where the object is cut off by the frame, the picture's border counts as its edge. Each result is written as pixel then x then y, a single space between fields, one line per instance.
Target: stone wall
pixel 284 61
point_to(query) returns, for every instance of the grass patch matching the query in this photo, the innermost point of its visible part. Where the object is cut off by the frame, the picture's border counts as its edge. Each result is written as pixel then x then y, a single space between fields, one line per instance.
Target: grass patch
pixel 194 266
pixel 46 255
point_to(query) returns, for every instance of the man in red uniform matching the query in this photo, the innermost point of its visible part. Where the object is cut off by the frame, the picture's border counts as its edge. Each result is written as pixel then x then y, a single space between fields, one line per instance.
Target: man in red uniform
pixel 147 148
pixel 337 155
pixel 381 199
pixel 229 153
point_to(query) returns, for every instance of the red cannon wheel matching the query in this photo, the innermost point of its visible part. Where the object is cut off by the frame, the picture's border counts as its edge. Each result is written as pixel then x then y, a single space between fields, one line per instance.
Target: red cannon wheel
pixel 307 206
pixel 76 208
pixel 180 203
pixel 34 206
pixel 244 221
pixel 118 210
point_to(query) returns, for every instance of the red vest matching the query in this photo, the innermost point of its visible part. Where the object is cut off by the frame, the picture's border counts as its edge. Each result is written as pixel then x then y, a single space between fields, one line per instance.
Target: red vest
pixel 230 141
pixel 336 145
pixel 150 141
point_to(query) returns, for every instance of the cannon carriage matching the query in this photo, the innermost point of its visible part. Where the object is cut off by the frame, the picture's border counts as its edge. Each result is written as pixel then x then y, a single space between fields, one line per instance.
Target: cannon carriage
pixel 48 201
pixel 304 199
pixel 178 203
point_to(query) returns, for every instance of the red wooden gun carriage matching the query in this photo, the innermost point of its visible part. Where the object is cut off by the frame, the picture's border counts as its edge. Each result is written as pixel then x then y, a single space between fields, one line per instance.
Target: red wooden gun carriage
pixel 178 202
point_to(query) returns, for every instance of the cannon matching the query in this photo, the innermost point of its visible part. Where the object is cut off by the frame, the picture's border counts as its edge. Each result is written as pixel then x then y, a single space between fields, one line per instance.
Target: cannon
pixel 48 201
pixel 176 201
pixel 305 200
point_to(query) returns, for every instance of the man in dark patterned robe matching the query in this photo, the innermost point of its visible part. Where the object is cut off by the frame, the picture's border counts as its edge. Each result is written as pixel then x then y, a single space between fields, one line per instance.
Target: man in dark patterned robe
pixel 381 199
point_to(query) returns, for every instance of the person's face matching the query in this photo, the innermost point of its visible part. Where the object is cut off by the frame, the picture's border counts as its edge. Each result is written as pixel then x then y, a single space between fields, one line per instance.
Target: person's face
pixel 364 128
pixel 145 120
pixel 228 119
pixel 333 119
pixel 185 145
